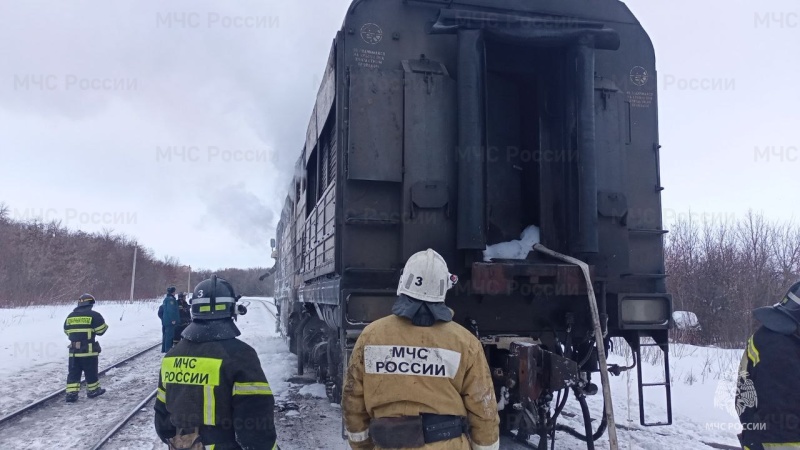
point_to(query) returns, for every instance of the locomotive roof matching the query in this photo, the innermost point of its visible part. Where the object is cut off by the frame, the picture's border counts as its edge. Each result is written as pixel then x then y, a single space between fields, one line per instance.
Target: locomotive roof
pixel 606 10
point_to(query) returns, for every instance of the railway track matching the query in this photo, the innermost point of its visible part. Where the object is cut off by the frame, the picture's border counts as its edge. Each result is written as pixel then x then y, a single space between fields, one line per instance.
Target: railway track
pixel 116 428
pixel 41 424
pixel 266 303
pixel 38 403
pixel 115 432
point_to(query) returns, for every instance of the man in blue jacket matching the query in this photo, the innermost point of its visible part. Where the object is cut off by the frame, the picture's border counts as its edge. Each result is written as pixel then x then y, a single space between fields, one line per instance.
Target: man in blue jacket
pixel 169 319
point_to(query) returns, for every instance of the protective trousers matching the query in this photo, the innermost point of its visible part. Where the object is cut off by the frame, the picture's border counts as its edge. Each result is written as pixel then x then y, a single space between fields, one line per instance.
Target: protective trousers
pixel 166 339
pixel 86 366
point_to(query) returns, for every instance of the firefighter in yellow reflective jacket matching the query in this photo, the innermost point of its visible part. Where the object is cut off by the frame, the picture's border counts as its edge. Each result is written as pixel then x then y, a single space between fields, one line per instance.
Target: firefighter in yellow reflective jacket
pixel 415 378
pixel 768 391
pixel 212 391
pixel 81 326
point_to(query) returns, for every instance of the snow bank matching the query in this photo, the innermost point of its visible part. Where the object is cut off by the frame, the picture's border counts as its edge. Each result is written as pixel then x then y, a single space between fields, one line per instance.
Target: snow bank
pixel 518 249
pixel 703 389
pixel 314 390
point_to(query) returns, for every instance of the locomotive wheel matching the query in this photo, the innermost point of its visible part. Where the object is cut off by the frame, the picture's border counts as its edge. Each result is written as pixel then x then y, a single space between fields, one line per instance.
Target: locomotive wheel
pixel 334 388
pixel 308 331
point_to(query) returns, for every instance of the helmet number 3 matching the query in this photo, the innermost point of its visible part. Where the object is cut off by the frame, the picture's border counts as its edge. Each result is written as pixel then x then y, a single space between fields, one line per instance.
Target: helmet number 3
pixel 200 293
pixel 418 282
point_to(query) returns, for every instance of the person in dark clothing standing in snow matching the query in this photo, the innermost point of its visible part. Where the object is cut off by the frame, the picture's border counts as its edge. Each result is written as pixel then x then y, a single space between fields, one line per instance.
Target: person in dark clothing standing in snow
pixel 212 391
pixel 768 389
pixel 81 326
pixel 169 319
pixel 185 317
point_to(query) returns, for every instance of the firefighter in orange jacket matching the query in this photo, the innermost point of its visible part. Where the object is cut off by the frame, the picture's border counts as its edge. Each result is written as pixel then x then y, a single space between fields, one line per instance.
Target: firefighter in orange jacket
pixel 416 379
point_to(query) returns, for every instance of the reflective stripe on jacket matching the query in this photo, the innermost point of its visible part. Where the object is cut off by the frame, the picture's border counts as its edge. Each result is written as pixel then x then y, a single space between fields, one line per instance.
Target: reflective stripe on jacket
pixel 768 391
pixel 220 388
pixel 81 326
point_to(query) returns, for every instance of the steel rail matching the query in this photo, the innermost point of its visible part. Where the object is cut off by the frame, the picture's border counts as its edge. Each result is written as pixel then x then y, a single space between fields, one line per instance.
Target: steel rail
pixel 54 394
pixel 115 429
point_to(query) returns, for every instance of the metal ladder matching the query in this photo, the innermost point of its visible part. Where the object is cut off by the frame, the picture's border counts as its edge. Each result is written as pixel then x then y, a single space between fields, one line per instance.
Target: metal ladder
pixel 666 383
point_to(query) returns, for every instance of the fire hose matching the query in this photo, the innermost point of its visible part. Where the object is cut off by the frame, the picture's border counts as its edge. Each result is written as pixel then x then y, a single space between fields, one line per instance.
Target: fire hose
pixel 598 333
pixel 589 437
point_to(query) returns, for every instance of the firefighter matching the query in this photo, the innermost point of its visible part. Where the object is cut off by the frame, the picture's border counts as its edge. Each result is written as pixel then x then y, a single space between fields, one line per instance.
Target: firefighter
pixel 81 326
pixel 169 319
pixel 416 379
pixel 185 317
pixel 768 391
pixel 212 392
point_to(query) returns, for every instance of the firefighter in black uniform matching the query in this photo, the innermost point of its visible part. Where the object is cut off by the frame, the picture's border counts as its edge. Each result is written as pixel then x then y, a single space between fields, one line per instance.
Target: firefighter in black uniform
pixel 768 390
pixel 185 315
pixel 212 391
pixel 81 326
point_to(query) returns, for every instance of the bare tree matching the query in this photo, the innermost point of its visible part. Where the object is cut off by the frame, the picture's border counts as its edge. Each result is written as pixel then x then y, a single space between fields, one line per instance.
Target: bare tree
pixel 721 271
pixel 44 262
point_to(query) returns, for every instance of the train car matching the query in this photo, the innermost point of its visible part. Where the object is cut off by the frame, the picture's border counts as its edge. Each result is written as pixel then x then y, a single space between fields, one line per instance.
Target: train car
pixel 459 124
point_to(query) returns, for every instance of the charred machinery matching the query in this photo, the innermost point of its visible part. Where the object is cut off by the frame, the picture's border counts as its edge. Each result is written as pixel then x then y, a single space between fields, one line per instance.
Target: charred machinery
pixel 456 125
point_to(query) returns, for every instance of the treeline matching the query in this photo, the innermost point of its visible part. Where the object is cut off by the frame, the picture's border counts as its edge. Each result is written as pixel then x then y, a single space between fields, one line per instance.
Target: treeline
pixel 45 263
pixel 722 270
pixel 245 281
pixel 719 270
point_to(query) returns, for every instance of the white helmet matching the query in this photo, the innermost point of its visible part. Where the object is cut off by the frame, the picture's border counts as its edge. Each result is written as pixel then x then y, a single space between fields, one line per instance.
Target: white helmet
pixel 425 277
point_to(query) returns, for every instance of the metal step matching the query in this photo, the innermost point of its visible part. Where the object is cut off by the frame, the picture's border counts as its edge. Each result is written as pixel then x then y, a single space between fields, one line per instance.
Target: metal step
pixel 641 385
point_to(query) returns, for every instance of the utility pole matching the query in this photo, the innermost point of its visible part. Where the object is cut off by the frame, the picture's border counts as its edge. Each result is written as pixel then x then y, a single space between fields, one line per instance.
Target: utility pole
pixel 133 275
pixel 189 281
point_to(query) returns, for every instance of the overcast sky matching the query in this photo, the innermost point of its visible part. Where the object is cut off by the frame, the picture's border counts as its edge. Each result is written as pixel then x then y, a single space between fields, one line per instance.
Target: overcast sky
pixel 182 133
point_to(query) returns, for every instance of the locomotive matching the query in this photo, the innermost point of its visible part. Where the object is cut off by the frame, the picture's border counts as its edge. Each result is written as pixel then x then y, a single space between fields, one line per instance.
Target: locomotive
pixel 459 124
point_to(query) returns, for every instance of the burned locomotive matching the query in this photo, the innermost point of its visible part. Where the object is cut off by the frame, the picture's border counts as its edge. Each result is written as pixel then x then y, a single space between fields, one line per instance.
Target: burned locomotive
pixel 456 125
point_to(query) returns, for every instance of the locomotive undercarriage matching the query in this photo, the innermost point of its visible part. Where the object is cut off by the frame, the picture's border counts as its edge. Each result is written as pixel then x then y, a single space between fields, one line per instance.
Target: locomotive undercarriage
pixel 532 377
pixel 533 372
pixel 535 363
pixel 532 383
pixel 318 349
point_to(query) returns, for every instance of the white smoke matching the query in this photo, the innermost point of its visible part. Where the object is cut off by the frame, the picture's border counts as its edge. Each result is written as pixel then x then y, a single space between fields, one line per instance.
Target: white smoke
pixel 242 213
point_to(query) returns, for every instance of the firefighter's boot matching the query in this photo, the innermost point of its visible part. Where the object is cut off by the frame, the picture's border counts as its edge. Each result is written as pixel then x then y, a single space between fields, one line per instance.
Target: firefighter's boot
pixel 96 393
pixel 72 397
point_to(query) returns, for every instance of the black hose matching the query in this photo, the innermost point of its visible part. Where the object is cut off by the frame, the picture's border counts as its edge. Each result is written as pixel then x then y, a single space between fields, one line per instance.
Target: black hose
pixel 587 424
pixel 587 356
pixel 587 421
pixel 558 409
pixel 550 426
pixel 577 434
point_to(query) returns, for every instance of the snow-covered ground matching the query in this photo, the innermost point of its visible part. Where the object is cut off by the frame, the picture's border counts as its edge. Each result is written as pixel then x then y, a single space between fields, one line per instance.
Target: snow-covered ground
pixel 34 362
pixel 703 389
pixel 33 346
